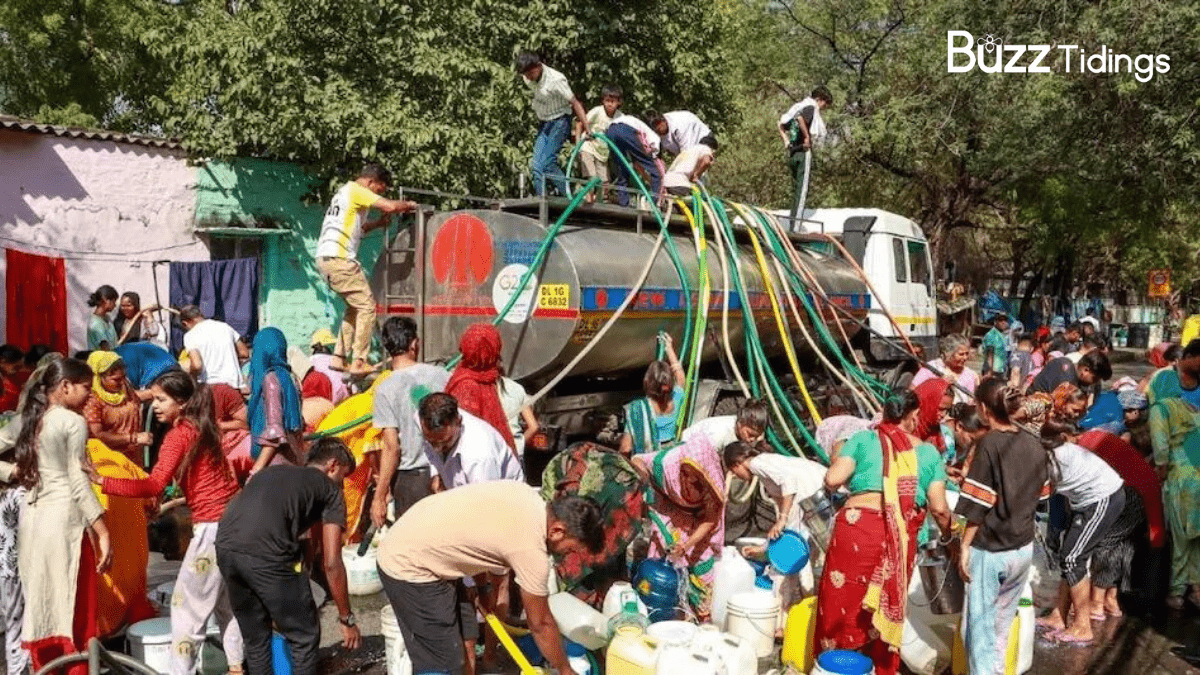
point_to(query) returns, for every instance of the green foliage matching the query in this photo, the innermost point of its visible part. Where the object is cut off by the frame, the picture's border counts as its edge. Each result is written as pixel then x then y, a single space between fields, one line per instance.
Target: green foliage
pixel 1095 169
pixel 428 86
pixel 76 61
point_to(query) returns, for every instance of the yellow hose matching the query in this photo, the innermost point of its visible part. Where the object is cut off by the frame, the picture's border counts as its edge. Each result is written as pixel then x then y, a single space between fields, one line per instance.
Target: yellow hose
pixel 755 364
pixel 702 318
pixel 511 647
pixel 780 317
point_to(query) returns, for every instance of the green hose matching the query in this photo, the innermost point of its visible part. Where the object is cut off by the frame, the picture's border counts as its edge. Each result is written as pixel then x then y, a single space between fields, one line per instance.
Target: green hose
pixel 754 349
pixel 798 287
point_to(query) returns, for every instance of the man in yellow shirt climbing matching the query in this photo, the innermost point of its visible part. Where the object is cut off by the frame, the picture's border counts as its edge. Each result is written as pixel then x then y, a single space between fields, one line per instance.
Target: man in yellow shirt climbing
pixel 337 260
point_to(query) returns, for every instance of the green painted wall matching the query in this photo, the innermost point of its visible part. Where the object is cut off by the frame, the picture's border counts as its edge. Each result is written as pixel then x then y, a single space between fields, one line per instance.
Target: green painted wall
pixel 293 296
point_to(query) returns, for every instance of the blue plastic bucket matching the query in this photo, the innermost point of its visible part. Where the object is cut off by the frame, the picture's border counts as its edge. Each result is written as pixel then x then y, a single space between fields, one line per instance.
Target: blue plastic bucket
pixel 788 553
pixel 281 655
pixel 844 662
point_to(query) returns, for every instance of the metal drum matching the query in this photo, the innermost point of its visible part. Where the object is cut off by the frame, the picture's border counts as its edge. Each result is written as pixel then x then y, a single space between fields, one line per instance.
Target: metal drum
pixel 819 514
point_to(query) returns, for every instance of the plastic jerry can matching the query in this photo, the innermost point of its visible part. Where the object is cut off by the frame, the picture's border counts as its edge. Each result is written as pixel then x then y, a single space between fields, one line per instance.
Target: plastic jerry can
pixel 798 632
pixel 631 653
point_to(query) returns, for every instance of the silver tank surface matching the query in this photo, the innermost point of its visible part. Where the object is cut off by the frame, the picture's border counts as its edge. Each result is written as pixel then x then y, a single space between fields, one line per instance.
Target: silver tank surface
pixel 473 259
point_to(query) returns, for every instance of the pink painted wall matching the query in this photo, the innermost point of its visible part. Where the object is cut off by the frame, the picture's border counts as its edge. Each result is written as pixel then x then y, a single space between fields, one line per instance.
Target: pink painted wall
pixel 109 208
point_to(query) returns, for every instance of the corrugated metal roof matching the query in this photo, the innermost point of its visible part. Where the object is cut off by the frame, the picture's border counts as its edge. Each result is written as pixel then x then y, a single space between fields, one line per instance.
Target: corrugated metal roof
pixel 29 126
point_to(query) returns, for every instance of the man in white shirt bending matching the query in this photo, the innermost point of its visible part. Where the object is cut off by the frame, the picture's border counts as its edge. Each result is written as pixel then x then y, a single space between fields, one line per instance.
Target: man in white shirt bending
pixel 213 349
pixel 689 166
pixel 680 130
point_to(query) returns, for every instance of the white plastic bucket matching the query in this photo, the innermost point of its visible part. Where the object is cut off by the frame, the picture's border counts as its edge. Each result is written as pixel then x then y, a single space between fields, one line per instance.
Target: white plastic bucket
pixel 150 643
pixel 362 573
pixel 398 662
pixel 753 616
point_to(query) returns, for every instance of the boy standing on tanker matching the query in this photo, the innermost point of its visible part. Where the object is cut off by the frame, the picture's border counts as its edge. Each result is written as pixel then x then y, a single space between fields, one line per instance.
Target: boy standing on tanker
pixel 801 127
pixel 594 154
pixel 553 102
pixel 337 260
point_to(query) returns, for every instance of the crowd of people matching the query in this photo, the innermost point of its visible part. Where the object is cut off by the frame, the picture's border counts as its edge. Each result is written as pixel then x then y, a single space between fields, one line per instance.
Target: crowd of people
pixel 1114 469
pixel 231 425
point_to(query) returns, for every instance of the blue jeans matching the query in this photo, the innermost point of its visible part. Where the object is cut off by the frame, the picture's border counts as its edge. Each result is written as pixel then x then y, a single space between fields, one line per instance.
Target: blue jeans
pixel 551 136
pixel 629 142
pixel 992 599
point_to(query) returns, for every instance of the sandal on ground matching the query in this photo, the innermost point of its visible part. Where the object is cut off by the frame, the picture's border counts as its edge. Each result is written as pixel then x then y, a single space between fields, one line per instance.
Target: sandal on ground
pixel 1116 615
pixel 1099 616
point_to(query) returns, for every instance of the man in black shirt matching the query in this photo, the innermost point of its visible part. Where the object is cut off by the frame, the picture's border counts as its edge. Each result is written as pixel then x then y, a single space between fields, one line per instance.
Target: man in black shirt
pixel 1091 369
pixel 258 552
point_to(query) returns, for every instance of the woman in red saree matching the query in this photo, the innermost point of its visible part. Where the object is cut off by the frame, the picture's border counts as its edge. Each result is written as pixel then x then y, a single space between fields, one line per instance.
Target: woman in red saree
pixel 892 476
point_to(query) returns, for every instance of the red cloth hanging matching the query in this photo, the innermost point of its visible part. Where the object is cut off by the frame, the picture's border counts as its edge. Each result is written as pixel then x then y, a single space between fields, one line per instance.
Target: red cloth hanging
pixel 36 292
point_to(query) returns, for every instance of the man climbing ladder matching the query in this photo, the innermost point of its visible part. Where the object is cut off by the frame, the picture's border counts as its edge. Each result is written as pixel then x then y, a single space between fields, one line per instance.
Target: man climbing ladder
pixel 337 260
pixel 801 126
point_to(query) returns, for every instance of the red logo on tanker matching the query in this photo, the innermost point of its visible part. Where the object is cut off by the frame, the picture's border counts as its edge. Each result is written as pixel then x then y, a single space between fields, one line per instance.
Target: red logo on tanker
pixel 462 252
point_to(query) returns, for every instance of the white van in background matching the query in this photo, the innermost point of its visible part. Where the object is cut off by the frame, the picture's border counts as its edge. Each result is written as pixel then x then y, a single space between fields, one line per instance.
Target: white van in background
pixel 894 253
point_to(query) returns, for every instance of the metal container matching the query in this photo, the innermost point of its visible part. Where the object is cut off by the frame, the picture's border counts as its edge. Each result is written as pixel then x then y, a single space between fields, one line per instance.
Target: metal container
pixel 819 514
pixel 941 580
pixel 461 267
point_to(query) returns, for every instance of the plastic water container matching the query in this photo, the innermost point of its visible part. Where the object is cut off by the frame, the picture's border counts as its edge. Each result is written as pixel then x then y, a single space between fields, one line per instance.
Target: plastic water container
pixel 397 659
pixel 798 632
pixel 733 574
pixel 577 656
pixel 788 553
pixel 673 633
pixel 657 584
pixel 578 621
pixel 843 662
pixel 281 655
pixel 1026 631
pixel 925 645
pixel 150 642
pixel 614 600
pixel 686 660
pixel 631 653
pixel 734 655
pixel 362 572
pixel 754 616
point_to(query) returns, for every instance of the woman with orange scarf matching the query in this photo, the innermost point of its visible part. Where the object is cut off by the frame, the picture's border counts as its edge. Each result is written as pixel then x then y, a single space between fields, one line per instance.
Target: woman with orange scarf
pixel 892 476
pixel 473 383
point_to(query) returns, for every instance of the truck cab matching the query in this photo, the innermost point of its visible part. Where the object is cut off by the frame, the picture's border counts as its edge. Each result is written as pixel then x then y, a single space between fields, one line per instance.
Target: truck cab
pixel 894 253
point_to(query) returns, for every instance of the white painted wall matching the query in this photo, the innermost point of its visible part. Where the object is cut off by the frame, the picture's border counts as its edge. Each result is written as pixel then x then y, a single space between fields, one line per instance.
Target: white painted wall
pixel 108 208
